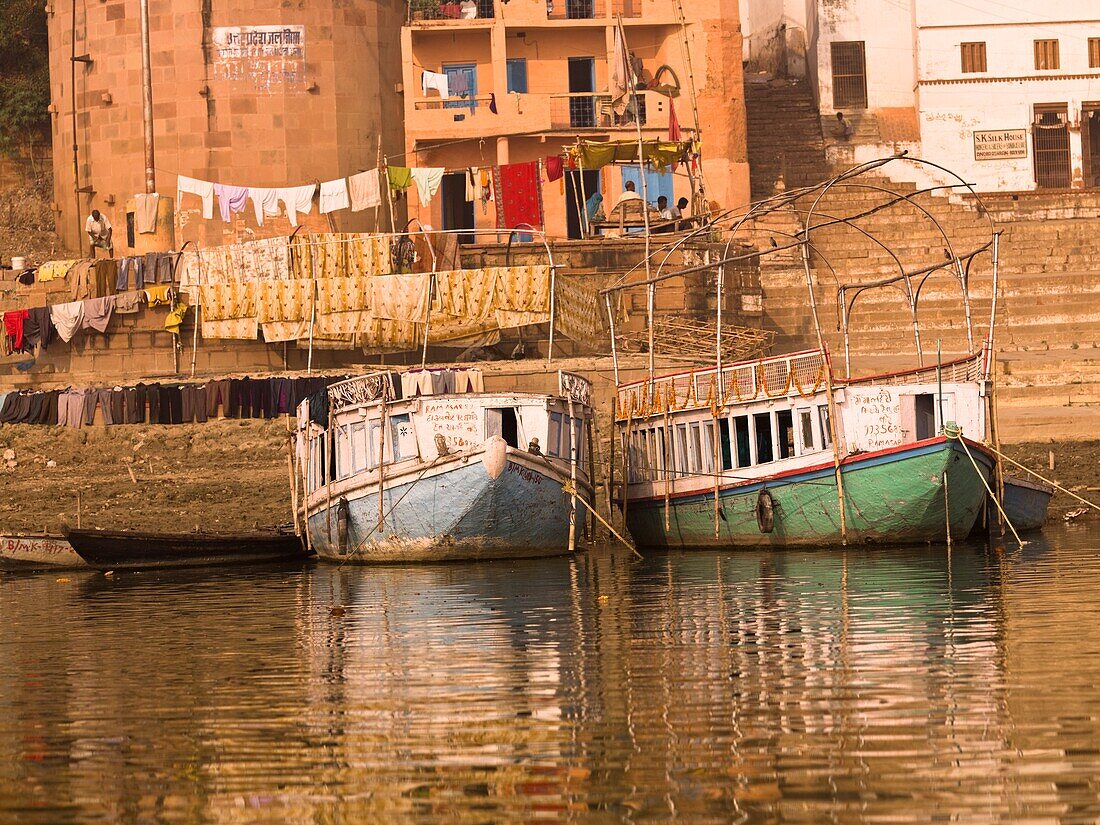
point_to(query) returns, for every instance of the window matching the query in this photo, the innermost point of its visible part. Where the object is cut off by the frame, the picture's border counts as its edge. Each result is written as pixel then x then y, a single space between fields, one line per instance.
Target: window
pixel 724 437
pixel 826 432
pixel 682 447
pixel 502 421
pixel 517 75
pixel 762 424
pixel 973 57
pixel 741 430
pixel 462 85
pixel 553 438
pixel 1094 52
pixel 784 425
pixel 806 430
pixel 1046 55
pixel 849 75
pixel 403 437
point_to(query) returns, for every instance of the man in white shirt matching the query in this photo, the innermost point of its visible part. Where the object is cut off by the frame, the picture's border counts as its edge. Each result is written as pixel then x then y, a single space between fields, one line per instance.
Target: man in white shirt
pixel 99 231
pixel 628 195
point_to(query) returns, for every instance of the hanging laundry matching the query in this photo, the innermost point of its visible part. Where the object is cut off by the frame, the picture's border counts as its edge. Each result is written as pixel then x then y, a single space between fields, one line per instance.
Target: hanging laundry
pixel 159 267
pixel 265 202
pixel 427 180
pixel 279 331
pixel 674 134
pixel 334 195
pixel 473 195
pixel 230 199
pixel 14 322
pixel 222 302
pixel 53 269
pixel 128 303
pixel 297 199
pixel 80 278
pixel 174 319
pixel 38 328
pixel 145 213
pixel 466 293
pixel 158 295
pixel 204 189
pixel 400 297
pixel 364 190
pixel 493 102
pixel 400 177
pixel 519 195
pixel 97 313
pixel 67 319
pixel 131 272
pixel 555 167
pixel 437 81
pixel 522 289
pixel 106 277
pixel 383 336
pixel 236 329
pixel 284 300
pixel 619 75
pixel 460 84
pixel 343 295
pixel 339 324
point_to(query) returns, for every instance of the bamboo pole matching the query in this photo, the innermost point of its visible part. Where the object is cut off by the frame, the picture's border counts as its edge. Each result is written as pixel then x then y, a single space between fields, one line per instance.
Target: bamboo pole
pixel 611 458
pixel 382 464
pixel 667 450
pixel 290 463
pixel 836 448
pixel 572 480
pixel 377 169
pixel 590 429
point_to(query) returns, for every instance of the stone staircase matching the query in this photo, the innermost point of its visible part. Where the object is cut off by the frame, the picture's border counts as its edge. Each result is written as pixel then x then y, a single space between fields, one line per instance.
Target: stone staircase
pixel 784 135
pixel 1048 324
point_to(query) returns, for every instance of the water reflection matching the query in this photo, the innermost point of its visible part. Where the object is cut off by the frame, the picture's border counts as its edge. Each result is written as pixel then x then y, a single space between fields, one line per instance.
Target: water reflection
pixel 868 685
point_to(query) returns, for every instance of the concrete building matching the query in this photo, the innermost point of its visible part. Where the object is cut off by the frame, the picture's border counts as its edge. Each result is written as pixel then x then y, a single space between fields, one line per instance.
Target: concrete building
pixel 545 64
pixel 1007 96
pixel 258 93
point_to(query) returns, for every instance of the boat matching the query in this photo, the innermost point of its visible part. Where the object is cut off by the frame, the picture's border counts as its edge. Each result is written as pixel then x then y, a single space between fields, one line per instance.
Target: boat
pixel 135 550
pixel 784 455
pixel 465 474
pixel 1026 502
pixel 43 552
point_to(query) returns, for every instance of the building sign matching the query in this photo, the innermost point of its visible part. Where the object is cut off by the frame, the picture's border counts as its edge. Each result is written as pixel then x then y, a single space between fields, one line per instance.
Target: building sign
pixel 265 58
pixel 1005 144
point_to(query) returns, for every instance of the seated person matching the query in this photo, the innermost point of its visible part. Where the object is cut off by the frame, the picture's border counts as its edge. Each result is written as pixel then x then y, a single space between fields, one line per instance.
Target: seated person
pixel 629 194
pixel 681 210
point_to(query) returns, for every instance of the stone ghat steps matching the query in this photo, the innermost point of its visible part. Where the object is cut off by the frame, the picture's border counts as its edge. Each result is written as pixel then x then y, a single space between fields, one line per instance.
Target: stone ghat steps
pixel 784 137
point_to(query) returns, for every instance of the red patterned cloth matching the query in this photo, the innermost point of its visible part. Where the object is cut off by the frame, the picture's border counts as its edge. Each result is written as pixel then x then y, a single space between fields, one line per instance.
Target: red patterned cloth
pixel 518 193
pixel 13 328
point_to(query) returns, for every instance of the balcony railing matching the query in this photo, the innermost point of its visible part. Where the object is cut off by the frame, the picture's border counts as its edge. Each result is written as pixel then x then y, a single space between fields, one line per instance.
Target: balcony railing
pixel 592 9
pixel 454 102
pixel 592 111
pixel 421 10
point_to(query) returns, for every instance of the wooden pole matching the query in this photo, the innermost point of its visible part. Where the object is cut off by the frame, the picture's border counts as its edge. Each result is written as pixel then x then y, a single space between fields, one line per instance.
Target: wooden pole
pixel 668 470
pixel 290 464
pixel 836 447
pixel 377 169
pixel 590 431
pixel 947 511
pixel 381 464
pixel 572 480
pixel 611 459
pixel 385 173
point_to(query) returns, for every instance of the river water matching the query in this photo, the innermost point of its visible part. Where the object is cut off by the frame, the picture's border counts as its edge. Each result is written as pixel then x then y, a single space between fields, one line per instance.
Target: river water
pixel 697 687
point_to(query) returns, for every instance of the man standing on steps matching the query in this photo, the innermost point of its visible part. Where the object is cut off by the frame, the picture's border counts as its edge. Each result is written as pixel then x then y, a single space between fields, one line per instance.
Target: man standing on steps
pixel 843 127
pixel 99 231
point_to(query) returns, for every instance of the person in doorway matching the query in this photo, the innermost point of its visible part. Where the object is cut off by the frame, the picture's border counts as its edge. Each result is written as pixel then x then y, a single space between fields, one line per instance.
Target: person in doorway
pixel 99 232
pixel 843 127
pixel 668 213
pixel 629 194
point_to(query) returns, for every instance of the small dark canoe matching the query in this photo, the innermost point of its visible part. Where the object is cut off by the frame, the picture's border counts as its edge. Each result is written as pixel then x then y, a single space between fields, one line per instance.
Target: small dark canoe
pixel 1026 502
pixel 126 550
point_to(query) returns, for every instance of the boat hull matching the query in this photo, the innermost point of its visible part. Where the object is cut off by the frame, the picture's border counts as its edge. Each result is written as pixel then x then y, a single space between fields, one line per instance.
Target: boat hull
pixel 115 550
pixel 461 513
pixel 37 553
pixel 1026 503
pixel 895 497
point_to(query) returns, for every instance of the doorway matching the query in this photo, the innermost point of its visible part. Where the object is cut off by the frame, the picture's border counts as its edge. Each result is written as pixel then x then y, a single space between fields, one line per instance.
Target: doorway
pixel 458 213
pixel 1090 143
pixel 1050 137
pixel 579 187
pixel 582 83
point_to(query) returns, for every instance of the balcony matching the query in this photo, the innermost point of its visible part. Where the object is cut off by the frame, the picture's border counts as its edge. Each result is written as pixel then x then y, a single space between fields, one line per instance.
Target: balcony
pixel 420 11
pixel 593 111
pixel 592 9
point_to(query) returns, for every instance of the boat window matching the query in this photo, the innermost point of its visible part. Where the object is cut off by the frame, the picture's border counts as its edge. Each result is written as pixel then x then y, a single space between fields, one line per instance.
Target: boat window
pixel 784 425
pixel 925 408
pixel 762 424
pixel 578 439
pixel 826 430
pixel 682 448
pixel 708 447
pixel 374 441
pixel 806 431
pixel 696 449
pixel 647 443
pixel 659 446
pixel 741 430
pixel 403 437
pixel 553 437
pixel 502 421
pixel 724 438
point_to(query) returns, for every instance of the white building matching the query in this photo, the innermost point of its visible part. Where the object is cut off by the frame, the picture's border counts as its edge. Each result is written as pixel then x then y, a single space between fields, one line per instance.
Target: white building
pixel 1004 92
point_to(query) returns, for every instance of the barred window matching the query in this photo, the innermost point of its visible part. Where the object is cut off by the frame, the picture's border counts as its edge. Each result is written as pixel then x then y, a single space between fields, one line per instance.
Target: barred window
pixel 1094 52
pixel 1046 55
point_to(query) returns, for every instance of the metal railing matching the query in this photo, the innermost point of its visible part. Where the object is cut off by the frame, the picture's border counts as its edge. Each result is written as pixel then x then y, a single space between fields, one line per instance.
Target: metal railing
pixel 421 10
pixel 592 9
pixel 454 102
pixel 592 111
pixel 803 373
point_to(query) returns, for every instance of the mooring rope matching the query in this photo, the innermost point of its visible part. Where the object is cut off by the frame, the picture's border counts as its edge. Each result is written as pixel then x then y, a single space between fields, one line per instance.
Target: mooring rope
pixel 954 431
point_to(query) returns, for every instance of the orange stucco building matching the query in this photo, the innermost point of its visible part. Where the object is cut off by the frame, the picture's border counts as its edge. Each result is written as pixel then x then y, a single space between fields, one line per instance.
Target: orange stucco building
pixel 250 93
pixel 545 65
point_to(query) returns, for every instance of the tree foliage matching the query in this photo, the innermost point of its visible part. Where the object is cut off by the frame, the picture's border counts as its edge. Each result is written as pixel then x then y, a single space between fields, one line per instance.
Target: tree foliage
pixel 24 73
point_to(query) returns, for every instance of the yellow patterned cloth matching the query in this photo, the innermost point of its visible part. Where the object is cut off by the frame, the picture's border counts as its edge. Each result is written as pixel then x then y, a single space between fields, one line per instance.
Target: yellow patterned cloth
pixel 343 294
pixel 243 329
pixel 578 310
pixel 400 297
pixel 465 292
pixel 451 327
pixel 522 289
pixel 276 331
pixel 340 255
pixel 333 324
pixel 391 336
pixel 223 302
pixel 53 269
pixel 506 319
pixel 288 300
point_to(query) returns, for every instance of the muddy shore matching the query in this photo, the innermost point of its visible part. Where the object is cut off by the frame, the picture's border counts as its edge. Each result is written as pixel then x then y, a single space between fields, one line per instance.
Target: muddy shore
pixel 232 475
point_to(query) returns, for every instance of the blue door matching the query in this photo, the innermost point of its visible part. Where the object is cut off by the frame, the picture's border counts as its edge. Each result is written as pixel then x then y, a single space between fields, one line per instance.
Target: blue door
pixel 462 85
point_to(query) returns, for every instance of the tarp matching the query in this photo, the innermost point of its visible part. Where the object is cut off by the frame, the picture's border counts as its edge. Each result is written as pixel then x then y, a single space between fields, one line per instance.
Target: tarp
pixel 660 154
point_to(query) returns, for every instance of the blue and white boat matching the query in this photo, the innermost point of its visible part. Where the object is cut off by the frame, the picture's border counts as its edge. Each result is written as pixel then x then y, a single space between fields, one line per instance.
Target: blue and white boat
pixel 465 474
